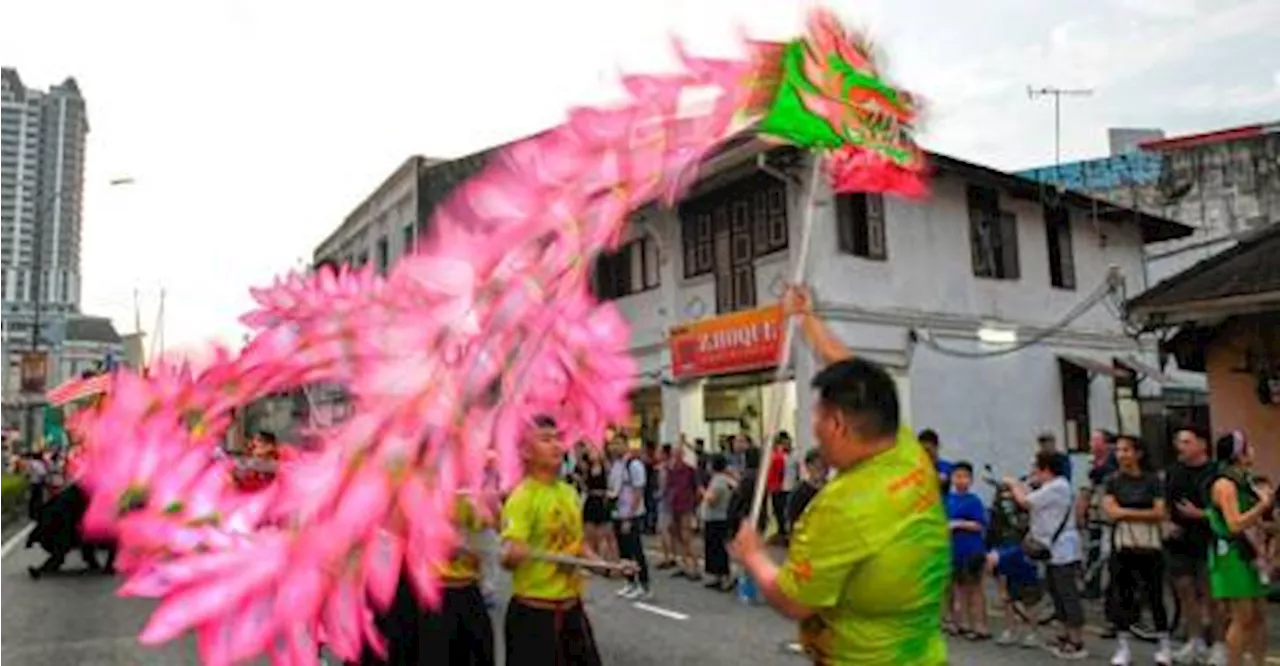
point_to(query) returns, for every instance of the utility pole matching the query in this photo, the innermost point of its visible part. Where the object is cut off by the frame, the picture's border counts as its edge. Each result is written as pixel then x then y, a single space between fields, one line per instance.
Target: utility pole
pixel 157 347
pixel 1057 94
pixel 37 284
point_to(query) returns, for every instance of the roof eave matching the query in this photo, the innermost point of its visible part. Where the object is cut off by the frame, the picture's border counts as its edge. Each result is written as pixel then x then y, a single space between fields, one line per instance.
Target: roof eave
pixel 412 163
pixel 1154 229
pixel 1206 310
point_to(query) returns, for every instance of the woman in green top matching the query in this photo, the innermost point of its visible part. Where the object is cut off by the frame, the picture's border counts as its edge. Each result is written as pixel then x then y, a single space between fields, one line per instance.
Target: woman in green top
pixel 1237 504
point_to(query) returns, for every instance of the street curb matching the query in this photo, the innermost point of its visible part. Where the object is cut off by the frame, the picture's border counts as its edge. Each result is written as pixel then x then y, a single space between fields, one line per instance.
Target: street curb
pixel 12 543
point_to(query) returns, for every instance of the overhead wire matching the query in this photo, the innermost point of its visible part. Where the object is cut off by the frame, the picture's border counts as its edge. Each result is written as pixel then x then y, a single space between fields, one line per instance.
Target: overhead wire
pixel 1100 294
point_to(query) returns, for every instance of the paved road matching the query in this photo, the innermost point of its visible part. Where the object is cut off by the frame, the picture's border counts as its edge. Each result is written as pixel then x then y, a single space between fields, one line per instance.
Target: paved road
pixel 76 619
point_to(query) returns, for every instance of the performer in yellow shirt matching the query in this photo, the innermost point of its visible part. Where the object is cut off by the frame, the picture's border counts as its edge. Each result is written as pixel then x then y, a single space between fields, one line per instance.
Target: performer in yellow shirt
pixel 870 557
pixel 545 622
pixel 460 632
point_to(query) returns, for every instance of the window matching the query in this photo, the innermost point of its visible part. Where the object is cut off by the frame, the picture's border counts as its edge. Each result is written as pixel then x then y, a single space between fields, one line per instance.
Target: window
pixel 1062 268
pixel 725 231
pixel 630 270
pixel 752 211
pixel 383 255
pixel 408 239
pixel 860 225
pixel 1075 405
pixel 993 235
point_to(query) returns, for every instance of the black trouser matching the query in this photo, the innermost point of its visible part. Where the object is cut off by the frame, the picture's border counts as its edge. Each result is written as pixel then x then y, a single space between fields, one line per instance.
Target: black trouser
pixel 460 633
pixel 549 633
pixel 1060 579
pixel 715 534
pixel 36 501
pixel 779 501
pixel 650 519
pixel 631 547
pixel 58 557
pixel 1137 576
pixel 1093 585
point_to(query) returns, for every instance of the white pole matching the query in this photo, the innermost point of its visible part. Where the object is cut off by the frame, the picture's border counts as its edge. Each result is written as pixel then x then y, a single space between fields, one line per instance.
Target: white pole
pixel 784 354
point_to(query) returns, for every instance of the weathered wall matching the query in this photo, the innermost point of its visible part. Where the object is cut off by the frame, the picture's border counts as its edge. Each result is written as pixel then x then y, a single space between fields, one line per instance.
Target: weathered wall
pixel 1233 398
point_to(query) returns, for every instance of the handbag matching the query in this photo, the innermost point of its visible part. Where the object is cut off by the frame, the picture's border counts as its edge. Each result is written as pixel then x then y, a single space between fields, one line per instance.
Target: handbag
pixel 1129 535
pixel 1039 551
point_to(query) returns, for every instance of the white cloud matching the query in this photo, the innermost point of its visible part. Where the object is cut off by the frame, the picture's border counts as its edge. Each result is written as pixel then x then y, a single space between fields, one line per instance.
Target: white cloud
pixel 1181 9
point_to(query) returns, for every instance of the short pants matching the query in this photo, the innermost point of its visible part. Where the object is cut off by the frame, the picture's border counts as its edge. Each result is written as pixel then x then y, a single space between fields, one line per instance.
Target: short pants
pixel 968 569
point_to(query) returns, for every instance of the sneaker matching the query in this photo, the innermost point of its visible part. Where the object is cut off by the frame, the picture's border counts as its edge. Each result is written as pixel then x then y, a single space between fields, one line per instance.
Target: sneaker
pixel 642 594
pixel 1122 657
pixel 1007 637
pixel 1069 651
pixel 1164 654
pixel 1217 655
pixel 1031 641
pixel 627 590
pixel 1191 652
pixel 1144 631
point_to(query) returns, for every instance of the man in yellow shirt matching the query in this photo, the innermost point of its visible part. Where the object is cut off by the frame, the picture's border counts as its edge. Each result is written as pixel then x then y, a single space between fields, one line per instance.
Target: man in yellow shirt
pixel 545 622
pixel 870 557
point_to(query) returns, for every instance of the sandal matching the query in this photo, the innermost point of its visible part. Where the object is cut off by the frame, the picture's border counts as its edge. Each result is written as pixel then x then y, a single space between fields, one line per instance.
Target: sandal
pixel 977 636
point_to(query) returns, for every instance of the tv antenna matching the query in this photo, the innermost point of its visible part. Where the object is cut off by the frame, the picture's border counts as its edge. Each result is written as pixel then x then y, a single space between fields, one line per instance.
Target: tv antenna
pixel 1057 94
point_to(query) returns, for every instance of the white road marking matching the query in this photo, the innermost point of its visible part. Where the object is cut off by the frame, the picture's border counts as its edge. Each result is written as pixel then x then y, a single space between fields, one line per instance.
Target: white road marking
pixel 15 540
pixel 658 610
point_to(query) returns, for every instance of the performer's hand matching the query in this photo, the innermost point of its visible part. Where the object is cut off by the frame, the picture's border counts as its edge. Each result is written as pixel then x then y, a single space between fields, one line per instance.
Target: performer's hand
pixel 1188 510
pixel 624 526
pixel 628 568
pixel 797 300
pixel 747 543
pixel 515 551
pixel 1266 495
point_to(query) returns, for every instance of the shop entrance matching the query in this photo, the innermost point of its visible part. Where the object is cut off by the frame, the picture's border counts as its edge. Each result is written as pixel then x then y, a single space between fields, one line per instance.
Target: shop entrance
pixel 646 415
pixel 746 403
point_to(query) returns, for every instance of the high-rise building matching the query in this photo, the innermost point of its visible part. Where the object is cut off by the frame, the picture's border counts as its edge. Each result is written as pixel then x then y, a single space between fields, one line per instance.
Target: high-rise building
pixel 42 148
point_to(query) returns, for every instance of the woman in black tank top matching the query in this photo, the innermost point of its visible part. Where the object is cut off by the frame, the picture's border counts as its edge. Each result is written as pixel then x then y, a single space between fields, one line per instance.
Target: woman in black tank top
pixel 597 528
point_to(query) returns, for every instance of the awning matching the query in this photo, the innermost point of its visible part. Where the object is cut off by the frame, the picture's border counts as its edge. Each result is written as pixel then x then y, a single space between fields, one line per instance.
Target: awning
pixel 1149 371
pixel 78 389
pixel 1091 365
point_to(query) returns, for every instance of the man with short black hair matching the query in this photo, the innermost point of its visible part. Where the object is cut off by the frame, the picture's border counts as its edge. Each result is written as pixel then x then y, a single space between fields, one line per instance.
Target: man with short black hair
pixel 869 560
pixel 815 477
pixel 776 481
pixel 1053 526
pixel 546 622
pixel 1187 545
pixel 628 515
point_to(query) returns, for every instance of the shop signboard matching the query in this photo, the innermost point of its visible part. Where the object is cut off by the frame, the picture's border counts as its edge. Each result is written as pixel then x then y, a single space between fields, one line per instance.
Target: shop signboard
pixel 738 342
pixel 35 371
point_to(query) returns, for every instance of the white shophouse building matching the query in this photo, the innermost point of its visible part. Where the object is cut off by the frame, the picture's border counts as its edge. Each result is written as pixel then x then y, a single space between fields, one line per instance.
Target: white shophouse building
pixel 988 250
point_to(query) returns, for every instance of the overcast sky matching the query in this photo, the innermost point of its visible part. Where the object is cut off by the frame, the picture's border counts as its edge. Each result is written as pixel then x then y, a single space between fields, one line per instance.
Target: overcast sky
pixel 252 128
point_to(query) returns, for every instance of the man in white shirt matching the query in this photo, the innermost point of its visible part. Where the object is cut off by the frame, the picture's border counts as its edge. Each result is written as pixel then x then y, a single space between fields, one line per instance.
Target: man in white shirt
pixel 628 477
pixel 1053 524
